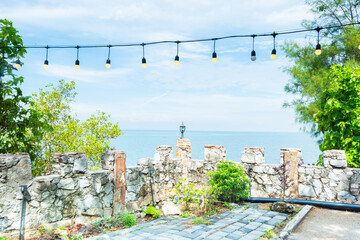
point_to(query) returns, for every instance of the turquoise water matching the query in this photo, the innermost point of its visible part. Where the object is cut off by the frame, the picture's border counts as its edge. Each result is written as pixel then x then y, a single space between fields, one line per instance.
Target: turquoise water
pixel 142 143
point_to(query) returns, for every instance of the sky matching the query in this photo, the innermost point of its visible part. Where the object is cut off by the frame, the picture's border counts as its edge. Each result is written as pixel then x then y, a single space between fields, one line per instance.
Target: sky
pixel 234 94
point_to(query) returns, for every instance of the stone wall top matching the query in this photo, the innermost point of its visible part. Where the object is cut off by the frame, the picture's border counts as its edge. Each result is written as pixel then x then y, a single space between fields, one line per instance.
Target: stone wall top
pixel 335 159
pixel 253 155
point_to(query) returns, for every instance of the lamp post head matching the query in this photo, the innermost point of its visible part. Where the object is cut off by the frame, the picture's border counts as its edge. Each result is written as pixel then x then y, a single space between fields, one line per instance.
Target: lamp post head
pixel 182 129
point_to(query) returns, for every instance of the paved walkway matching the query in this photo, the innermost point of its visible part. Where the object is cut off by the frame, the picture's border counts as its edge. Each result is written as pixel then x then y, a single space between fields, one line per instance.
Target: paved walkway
pixel 241 223
pixel 328 224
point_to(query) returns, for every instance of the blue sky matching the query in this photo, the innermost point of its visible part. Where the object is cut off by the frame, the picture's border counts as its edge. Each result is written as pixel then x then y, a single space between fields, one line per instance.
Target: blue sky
pixel 234 94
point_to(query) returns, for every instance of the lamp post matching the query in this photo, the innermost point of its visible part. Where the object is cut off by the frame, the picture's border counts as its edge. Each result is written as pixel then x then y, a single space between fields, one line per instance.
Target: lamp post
pixel 182 129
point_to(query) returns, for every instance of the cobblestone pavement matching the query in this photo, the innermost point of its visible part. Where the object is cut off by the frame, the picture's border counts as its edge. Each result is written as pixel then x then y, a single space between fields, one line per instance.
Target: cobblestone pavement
pixel 241 223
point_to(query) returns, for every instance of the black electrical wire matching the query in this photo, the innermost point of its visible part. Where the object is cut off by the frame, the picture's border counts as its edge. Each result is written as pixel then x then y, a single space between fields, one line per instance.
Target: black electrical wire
pixel 287 32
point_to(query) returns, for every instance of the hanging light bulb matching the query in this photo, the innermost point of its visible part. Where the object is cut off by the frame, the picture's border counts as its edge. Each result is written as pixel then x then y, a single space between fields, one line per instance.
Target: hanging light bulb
pixel 318 46
pixel 46 62
pixel 318 49
pixel 176 61
pixel 143 61
pixel 273 52
pixel 253 53
pixel 77 62
pixel 17 64
pixel 214 55
pixel 108 65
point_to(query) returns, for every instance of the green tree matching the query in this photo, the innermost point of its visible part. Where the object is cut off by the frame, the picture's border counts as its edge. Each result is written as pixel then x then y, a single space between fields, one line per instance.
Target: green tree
pixel 92 136
pixel 339 110
pixel 309 71
pixel 17 119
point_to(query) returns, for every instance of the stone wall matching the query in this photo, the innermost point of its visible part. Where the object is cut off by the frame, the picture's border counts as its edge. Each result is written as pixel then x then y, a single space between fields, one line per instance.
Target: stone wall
pixel 72 194
pixel 333 182
pixel 75 194
pixel 164 172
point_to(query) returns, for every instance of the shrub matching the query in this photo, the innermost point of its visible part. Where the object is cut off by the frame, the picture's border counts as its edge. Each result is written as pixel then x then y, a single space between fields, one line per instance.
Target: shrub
pixel 153 212
pixel 128 219
pixel 230 181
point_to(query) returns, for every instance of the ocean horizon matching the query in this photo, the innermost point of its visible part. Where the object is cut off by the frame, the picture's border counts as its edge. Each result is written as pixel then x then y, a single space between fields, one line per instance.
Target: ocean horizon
pixel 142 143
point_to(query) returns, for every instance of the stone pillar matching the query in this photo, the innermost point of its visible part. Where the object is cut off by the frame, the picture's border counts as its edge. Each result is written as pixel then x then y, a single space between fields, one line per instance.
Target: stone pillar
pixel 183 153
pixel 299 154
pixel 163 153
pixel 290 160
pixel 334 159
pixel 253 155
pixel 214 154
pixel 120 182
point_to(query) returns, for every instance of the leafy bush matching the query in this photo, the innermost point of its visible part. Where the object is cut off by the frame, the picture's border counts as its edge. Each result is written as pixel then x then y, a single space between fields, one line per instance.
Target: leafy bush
pixel 153 212
pixel 107 223
pixel 4 238
pixel 128 219
pixel 230 182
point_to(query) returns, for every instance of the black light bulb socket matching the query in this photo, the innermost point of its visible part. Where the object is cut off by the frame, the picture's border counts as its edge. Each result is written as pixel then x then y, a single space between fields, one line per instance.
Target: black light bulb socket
pixel 108 61
pixel 177 58
pixel 143 60
pixel 318 46
pixel 253 53
pixel 214 55
pixel 273 51
pixel 17 61
pixel 46 62
pixel 77 62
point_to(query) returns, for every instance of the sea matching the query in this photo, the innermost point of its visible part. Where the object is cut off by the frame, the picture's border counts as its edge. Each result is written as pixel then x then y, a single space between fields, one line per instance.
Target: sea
pixel 142 143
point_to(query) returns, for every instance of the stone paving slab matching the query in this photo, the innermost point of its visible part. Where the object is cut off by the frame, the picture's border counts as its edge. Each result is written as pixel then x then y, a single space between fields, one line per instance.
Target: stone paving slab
pixel 241 223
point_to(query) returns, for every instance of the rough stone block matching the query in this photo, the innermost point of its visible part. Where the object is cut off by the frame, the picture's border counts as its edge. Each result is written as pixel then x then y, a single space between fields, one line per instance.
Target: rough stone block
pixel 253 155
pixel 335 159
pixel 306 191
pixel 80 165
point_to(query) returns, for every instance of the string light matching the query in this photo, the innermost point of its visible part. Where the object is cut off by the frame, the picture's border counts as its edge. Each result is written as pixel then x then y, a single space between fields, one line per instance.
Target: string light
pixel 318 46
pixel 214 56
pixel 107 65
pixel 273 52
pixel 46 62
pixel 176 61
pixel 143 61
pixel 77 62
pixel 214 59
pixel 17 64
pixel 253 53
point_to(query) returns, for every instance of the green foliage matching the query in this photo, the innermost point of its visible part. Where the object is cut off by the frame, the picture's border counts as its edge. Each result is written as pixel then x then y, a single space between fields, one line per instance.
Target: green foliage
pixel 153 212
pixel 107 223
pixel 4 238
pixel 92 136
pixel 76 237
pixel 268 233
pixel 229 206
pixel 203 197
pixel 17 119
pixel 200 220
pixel 128 219
pixel 186 214
pixel 339 110
pixel 229 181
pixel 309 71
